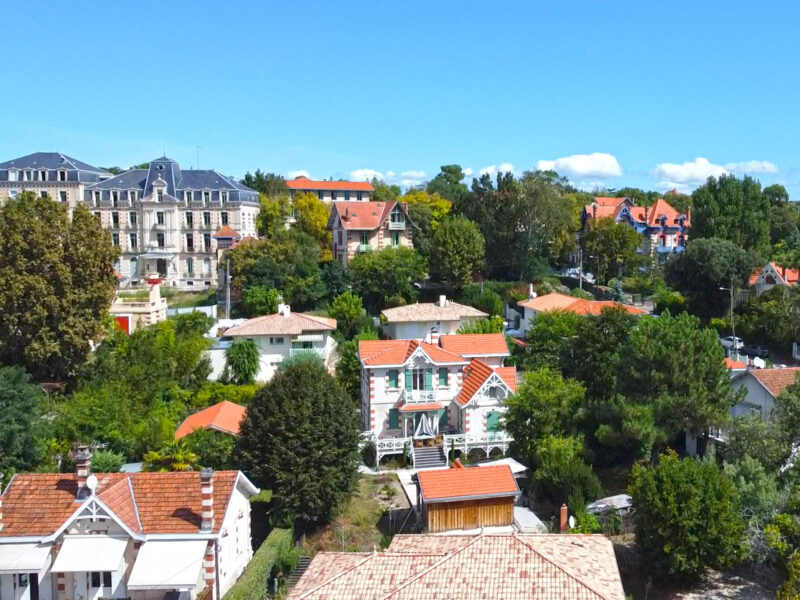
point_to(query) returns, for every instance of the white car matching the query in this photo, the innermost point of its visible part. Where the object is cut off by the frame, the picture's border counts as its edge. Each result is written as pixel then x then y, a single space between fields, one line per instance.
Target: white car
pixel 732 343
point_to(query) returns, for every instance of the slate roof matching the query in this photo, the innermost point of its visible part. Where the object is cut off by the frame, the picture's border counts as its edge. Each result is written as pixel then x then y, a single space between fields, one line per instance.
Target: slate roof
pixel 50 161
pixel 304 183
pixel 557 301
pixel 278 324
pixel 431 311
pixel 475 344
pixel 361 215
pixel 224 416
pixel 428 567
pixel 776 380
pixel 476 374
pixel 38 504
pixel 455 484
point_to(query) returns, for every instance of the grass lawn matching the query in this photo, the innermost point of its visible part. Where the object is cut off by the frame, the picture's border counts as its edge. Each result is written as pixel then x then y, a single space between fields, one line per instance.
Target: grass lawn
pixel 362 525
pixel 191 299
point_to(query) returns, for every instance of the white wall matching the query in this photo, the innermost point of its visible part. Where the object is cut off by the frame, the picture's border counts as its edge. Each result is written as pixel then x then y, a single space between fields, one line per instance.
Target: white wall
pixel 234 551
pixel 758 399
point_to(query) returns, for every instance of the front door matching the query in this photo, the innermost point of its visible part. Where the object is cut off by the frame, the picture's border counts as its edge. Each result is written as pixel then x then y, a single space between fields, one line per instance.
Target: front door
pixel 161 267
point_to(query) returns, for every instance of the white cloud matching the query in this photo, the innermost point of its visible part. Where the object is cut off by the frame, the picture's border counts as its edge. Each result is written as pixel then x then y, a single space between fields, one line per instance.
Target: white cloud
pixel 752 166
pixel 583 166
pixel 404 179
pixel 493 170
pixel 467 172
pixel 695 172
pixel 364 174
pixel 298 173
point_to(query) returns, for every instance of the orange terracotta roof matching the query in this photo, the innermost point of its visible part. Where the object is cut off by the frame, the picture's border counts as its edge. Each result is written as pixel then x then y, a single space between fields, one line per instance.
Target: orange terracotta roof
pixel 475 344
pixel 469 567
pixel 278 324
pixel 608 201
pixel 476 374
pixel 776 380
pixel 754 277
pixel 227 232
pixel 304 183
pixel 38 504
pixel 731 364
pixel 788 275
pixel 362 215
pixel 447 485
pixel 557 301
pixel 224 416
pixel 611 207
pixel 396 352
pixel 420 406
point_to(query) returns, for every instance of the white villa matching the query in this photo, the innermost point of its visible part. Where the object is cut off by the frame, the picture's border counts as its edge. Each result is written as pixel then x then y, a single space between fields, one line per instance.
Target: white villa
pixel 425 399
pixel 279 336
pixel 428 320
pixel 133 313
pixel 137 536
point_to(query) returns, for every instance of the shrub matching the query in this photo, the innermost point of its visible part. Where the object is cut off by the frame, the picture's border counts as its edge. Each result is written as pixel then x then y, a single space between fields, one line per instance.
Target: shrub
pixel 107 461
pixel 276 553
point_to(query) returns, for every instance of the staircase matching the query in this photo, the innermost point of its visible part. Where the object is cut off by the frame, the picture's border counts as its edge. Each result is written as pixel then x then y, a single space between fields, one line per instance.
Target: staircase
pixel 297 572
pixel 429 457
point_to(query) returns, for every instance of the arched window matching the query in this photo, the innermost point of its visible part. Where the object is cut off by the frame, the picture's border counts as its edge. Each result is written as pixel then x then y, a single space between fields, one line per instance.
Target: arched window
pixel 134 267
pixel 206 266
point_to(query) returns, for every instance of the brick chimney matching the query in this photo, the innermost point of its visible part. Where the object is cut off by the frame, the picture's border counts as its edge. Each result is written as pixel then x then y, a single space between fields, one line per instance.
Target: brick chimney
pixel 564 518
pixel 207 499
pixel 83 468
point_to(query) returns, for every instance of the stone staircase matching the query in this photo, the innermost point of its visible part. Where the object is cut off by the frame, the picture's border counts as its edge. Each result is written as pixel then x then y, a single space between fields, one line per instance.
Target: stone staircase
pixel 297 572
pixel 429 457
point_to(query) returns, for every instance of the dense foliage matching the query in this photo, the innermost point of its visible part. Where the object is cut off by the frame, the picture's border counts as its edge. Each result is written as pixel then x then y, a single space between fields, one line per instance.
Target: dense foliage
pixel 388 277
pixel 242 362
pixel 21 430
pixel 457 252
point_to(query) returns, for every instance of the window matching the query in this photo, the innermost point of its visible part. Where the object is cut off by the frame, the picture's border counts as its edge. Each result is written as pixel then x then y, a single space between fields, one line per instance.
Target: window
pixel 43 193
pixel 492 421
pixel 62 195
pixel 189 266
pixel 101 579
pixel 275 341
pixel 398 217
pixel 333 196
pixel 114 197
pixel 134 240
pixel 359 196
pixel 224 217
pixel 115 220
pixel 206 266
pixel 187 196
pixel 206 198
pixel 341 237
pixel 160 218
pixel 224 197
pixel 364 238
pixel 206 219
pixel 27 175
pixel 160 240
pixel 115 239
pixel 661 241
pixel 395 239
pixel 96 197
pixel 190 242
pixel 443 377
pixel 132 195
pixel 62 175
pixel 443 419
pixel 207 242
pixel 394 421
pixel 42 175
pixel 160 196
pixel 97 215
pixel 320 194
pixel 132 218
pixel 419 379
pixel 189 219
pixel 134 264
pixel 393 378
pixel 12 175
pixel 22 580
pixel 347 195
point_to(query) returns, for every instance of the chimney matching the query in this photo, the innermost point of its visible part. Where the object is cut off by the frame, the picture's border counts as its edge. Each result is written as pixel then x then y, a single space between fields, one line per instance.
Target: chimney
pixel 594 210
pixel 442 301
pixel 83 468
pixel 456 464
pixel 287 311
pixel 646 213
pixel 207 499
pixel 531 293
pixel 346 214
pixel 564 518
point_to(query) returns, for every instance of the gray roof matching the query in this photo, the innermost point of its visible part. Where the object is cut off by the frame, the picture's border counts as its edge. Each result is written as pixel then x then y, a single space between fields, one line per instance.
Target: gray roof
pixel 49 160
pixel 134 178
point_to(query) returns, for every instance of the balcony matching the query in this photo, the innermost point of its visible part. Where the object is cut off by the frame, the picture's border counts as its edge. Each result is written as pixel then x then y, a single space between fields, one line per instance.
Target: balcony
pixel 306 352
pixel 669 249
pixel 364 248
pixel 422 396
pixel 397 225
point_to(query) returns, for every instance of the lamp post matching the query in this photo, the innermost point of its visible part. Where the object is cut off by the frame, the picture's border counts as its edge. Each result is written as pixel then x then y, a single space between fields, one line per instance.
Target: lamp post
pixel 733 329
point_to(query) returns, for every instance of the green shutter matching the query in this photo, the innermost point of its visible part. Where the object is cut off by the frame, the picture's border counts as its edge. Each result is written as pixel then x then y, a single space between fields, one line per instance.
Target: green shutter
pixel 442 377
pixel 428 379
pixel 492 421
pixel 443 419
pixel 393 419
pixel 393 378
pixel 409 379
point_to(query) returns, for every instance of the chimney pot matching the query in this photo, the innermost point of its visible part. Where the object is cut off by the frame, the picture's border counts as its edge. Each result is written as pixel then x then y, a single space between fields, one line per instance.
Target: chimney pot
pixel 442 300
pixel 83 468
pixel 564 518
pixel 207 499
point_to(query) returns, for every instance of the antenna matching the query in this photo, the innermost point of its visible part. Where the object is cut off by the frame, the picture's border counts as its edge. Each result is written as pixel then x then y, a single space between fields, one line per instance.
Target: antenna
pixel 571 522
pixel 91 482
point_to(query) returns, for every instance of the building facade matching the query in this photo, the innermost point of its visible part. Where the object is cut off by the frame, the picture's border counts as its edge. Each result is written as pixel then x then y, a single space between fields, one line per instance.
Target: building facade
pixel 368 226
pixel 428 320
pixel 332 191
pixel 52 174
pixel 164 220
pixel 421 398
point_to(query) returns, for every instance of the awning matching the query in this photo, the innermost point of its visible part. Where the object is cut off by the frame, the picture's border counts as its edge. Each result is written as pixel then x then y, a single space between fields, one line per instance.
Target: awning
pixel 170 565
pixel 309 337
pixel 90 553
pixel 420 406
pixel 24 558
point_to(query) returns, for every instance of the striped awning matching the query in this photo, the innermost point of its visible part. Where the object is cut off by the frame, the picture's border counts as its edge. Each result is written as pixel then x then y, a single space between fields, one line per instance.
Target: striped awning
pixel 421 406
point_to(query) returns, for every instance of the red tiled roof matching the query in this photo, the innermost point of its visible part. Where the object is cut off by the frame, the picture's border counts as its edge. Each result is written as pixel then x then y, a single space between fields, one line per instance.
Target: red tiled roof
pixel 731 364
pixel 304 183
pixel 475 344
pixel 362 215
pixel 776 380
pixel 469 567
pixel 37 504
pixel 396 352
pixel 476 374
pixel 224 416
pixel 663 208
pixel 227 232
pixel 463 484
pixel 420 406
pixel 608 201
pixel 556 301
pixel 611 207
pixel 278 324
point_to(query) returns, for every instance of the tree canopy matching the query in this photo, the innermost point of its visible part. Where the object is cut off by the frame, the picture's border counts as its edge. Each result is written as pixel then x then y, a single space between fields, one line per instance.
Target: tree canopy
pixel 387 277
pixel 311 216
pixel 268 184
pixel 457 252
pixel 448 183
pixel 21 431
pixel 611 249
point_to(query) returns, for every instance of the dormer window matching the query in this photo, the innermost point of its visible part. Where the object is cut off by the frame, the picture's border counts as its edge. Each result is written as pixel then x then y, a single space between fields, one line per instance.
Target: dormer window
pixel 132 195
pixel 114 197
pixel 96 197
pixel 42 175
pixel 224 196
pixel 187 196
pixel 62 175
pixel 12 174
pixel 206 198
pixel 27 175
pixel 159 195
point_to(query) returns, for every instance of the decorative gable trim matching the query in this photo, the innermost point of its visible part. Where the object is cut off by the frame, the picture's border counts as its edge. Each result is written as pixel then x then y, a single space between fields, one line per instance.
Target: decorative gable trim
pixel 494 380
pixel 92 508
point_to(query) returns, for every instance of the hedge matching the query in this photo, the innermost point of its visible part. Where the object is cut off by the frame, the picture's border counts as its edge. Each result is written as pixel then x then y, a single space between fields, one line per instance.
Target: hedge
pixel 252 584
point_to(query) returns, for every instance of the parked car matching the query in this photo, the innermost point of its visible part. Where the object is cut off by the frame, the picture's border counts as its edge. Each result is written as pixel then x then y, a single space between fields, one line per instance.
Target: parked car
pixel 755 350
pixel 732 343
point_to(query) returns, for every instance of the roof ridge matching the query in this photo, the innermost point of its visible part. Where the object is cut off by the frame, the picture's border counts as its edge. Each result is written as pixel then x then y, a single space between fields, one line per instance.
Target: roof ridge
pixel 369 556
pixel 135 504
pixel 564 569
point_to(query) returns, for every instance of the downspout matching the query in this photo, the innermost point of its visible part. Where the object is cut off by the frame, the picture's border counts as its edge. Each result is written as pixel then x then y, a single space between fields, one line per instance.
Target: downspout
pixel 217 595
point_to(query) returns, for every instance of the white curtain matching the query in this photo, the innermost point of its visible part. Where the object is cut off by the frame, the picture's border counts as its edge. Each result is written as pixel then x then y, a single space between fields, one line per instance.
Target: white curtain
pixel 428 426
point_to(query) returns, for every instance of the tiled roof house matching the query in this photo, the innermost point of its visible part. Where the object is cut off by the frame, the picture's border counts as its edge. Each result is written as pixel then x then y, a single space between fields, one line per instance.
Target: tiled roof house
pixel 224 417
pixel 368 226
pixel 763 386
pixel 469 567
pixel 428 320
pixel 556 301
pixel 124 535
pixel 331 191
pixel 773 274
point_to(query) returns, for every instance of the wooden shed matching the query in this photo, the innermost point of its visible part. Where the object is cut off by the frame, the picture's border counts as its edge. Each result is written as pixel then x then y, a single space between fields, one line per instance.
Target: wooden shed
pixel 467 498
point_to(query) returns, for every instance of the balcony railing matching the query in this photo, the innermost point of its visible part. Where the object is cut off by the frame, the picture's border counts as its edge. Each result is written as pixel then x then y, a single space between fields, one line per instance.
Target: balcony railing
pixel 397 225
pixel 305 351
pixel 364 248
pixel 411 396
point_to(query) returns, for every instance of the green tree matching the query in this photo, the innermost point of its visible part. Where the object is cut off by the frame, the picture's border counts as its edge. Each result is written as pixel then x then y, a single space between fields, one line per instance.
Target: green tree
pixel 752 437
pixel 58 284
pixel 272 214
pixel 267 184
pixel 348 369
pixel 107 461
pixel 772 318
pixel 348 310
pixel 548 338
pixel 457 251
pixel 257 301
pixel 612 249
pixel 732 209
pixel 213 448
pixel 421 217
pixel 241 362
pixel 384 192
pixel 447 183
pixel 311 216
pixel 173 457
pixel 299 440
pixel 706 266
pixel 561 475
pixel 490 325
pixel 790 589
pixel 687 516
pixel 21 404
pixel 391 273
pixel 439 206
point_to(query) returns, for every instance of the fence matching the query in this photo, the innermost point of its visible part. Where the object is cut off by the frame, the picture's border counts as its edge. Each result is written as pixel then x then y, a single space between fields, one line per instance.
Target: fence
pixel 211 311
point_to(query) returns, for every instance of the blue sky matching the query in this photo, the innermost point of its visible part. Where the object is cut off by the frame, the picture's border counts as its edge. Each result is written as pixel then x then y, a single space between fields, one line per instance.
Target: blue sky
pixel 609 92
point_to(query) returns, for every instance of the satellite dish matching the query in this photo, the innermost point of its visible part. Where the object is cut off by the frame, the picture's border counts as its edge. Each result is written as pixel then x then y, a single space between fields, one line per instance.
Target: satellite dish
pixel 571 520
pixel 91 482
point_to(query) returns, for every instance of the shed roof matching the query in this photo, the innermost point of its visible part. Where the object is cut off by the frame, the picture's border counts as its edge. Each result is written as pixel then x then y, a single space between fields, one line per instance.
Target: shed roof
pixel 448 485
pixel 223 416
